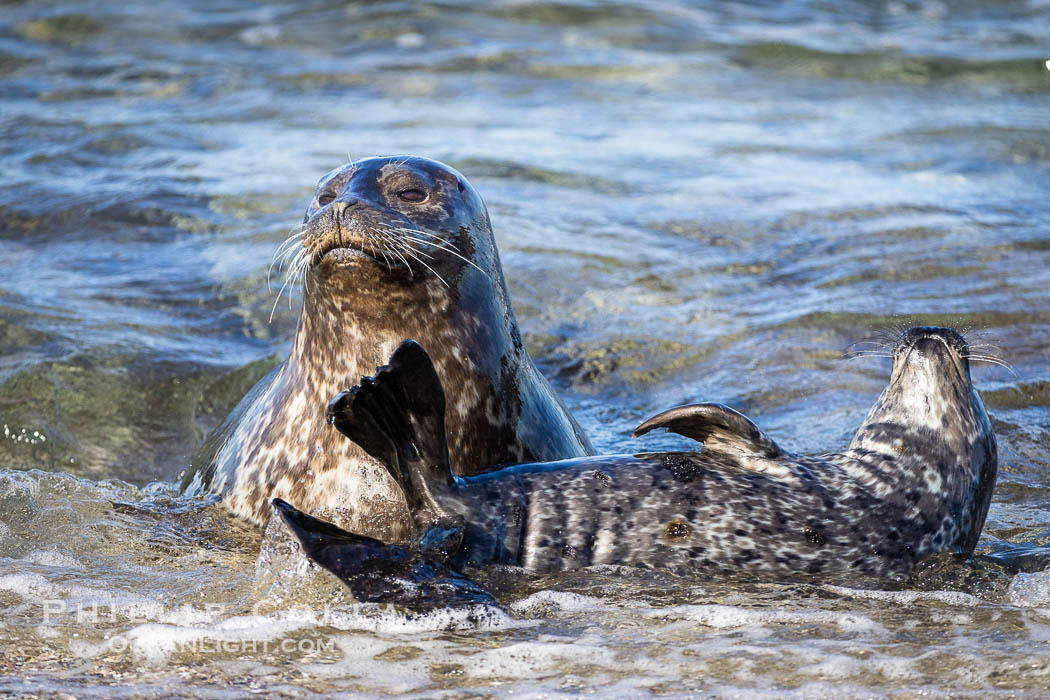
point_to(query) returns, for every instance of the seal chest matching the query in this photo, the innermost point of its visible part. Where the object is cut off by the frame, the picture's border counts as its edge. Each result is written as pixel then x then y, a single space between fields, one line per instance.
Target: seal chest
pixel 390 248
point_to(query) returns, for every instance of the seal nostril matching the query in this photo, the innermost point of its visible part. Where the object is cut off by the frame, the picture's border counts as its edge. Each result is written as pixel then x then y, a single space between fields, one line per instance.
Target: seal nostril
pixel 342 207
pixel 946 337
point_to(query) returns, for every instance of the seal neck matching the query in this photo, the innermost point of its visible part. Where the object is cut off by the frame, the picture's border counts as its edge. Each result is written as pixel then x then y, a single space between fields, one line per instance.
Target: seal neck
pixel 350 323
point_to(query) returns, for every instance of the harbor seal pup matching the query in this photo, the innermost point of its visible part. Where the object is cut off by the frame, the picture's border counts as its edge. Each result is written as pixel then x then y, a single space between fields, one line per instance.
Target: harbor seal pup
pixel 390 248
pixel 916 479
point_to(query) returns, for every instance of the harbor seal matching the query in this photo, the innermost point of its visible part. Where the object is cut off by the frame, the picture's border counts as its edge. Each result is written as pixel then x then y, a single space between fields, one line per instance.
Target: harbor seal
pixel 916 479
pixel 390 248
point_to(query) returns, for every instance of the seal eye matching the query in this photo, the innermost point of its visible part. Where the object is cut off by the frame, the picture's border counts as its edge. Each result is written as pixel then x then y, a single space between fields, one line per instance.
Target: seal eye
pixel 325 198
pixel 412 195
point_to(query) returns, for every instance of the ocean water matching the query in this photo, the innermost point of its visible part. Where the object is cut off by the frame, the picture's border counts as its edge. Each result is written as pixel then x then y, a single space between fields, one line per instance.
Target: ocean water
pixel 693 201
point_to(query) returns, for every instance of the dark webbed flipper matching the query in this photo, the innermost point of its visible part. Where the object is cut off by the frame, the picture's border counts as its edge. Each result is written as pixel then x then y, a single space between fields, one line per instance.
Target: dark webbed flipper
pixel 398 417
pixel 415 577
pixel 720 428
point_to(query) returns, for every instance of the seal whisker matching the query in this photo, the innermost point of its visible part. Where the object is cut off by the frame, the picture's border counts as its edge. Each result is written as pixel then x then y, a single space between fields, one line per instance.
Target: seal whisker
pixel 414 254
pixel 992 360
pixel 288 259
pixel 365 239
pixel 287 278
pixel 865 353
pixel 282 253
pixel 287 255
pixel 892 331
pixel 438 244
pixel 874 345
pixel 394 249
pixel 397 239
pixel 411 253
pixel 287 246
pixel 297 271
pixel 273 309
pixel 291 239
pixel 304 266
pixel 985 348
pixel 382 251
pixel 435 239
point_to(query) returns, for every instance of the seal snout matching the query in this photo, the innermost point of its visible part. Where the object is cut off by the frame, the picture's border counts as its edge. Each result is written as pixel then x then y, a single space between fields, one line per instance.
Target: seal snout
pixel 929 359
pixel 931 343
pixel 927 334
pixel 351 226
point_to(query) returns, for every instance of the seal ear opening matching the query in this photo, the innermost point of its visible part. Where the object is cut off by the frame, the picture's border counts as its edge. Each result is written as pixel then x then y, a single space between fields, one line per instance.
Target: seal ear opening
pixel 720 428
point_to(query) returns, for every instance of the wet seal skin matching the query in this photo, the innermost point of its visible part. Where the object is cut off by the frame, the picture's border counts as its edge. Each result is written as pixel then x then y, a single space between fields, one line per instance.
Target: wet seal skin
pixel 916 479
pixel 390 248
pixel 416 577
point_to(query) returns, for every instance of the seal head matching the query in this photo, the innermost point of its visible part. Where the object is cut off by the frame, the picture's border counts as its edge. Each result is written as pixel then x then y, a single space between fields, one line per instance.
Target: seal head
pixel 405 220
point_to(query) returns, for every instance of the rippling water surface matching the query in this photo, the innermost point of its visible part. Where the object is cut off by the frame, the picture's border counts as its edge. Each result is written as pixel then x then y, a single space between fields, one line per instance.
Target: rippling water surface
pixel 692 202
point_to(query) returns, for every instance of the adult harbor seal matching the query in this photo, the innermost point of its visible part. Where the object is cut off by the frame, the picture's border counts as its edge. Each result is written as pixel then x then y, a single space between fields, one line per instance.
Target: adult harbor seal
pixel 390 248
pixel 916 479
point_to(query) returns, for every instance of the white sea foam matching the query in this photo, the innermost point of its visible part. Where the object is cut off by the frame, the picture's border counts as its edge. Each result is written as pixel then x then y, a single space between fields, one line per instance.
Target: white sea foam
pixel 52 558
pixel 1030 590
pixel 957 598
pixel 556 600
pixel 728 617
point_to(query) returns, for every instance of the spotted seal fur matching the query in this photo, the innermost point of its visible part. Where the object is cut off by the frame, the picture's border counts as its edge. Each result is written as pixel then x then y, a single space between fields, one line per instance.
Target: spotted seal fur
pixel 916 479
pixel 390 248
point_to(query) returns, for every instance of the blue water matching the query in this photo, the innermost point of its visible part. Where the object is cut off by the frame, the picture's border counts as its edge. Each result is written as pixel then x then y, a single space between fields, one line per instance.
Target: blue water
pixel 692 201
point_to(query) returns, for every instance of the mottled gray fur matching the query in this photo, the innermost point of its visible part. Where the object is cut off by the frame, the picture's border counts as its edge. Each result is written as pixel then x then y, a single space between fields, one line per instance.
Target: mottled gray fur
pixel 390 248
pixel 916 479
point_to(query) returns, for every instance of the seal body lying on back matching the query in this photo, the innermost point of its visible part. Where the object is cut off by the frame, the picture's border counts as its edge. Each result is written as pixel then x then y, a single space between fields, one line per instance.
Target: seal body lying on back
pixel 916 479
pixel 390 248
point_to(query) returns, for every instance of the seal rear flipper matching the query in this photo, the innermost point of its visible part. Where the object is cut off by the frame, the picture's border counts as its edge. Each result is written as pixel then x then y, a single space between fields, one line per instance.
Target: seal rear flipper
pixel 398 417
pixel 721 429
pixel 316 534
pixel 442 539
pixel 415 577
pixel 361 427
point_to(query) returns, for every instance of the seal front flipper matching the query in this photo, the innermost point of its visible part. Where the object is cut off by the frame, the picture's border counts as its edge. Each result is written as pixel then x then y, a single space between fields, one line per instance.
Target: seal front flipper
pixel 723 431
pixel 415 577
pixel 398 417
